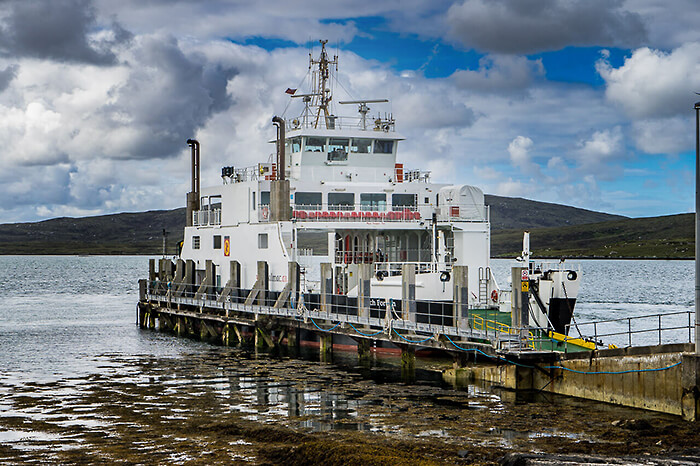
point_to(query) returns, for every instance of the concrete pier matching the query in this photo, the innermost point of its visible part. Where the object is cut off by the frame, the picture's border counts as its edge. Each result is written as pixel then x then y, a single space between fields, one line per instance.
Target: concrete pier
pixel 658 378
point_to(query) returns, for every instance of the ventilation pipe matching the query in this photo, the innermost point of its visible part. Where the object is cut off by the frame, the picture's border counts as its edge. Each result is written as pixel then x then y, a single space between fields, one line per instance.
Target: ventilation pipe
pixel 193 196
pixel 280 209
pixel 281 162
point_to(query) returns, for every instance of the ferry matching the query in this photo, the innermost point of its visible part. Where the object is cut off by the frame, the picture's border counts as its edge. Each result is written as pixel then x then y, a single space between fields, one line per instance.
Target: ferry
pixel 336 200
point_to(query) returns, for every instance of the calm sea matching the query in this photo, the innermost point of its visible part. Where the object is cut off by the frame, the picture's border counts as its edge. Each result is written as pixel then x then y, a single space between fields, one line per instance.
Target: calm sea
pixel 67 330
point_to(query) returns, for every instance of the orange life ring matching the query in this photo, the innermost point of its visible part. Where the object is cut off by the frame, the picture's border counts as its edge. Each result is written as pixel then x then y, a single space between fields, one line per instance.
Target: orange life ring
pixel 494 296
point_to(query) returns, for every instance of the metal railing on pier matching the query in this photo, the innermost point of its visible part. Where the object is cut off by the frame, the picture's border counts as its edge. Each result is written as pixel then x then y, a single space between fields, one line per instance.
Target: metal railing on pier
pixel 653 329
pixel 413 322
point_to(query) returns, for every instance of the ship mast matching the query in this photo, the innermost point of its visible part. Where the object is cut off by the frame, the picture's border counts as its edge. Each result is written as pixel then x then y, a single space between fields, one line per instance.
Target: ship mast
pixel 321 94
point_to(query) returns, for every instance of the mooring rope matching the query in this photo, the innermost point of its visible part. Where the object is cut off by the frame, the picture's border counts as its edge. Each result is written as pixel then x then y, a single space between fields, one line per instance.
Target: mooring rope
pixel 365 334
pixel 322 329
pixel 411 341
pixel 614 372
pixel 487 355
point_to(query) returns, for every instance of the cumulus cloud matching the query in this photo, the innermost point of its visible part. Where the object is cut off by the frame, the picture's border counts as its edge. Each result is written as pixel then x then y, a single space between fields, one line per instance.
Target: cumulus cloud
pixel 599 153
pixel 663 135
pixel 167 95
pixel 523 27
pixel 498 73
pixel 519 150
pixel 58 31
pixel 32 133
pixel 652 83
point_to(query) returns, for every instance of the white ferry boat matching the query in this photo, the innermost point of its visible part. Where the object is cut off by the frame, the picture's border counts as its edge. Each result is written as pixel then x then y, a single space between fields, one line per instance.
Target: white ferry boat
pixel 335 194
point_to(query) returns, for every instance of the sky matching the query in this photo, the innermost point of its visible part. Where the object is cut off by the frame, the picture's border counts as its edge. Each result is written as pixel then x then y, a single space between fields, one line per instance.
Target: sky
pixel 586 103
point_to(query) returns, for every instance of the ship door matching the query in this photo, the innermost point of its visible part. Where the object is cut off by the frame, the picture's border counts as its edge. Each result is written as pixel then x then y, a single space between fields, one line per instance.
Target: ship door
pixel 341 279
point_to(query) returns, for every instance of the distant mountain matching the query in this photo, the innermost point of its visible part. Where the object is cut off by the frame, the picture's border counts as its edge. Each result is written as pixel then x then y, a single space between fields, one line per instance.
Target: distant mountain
pixel 524 214
pixel 667 237
pixel 141 233
pixel 127 233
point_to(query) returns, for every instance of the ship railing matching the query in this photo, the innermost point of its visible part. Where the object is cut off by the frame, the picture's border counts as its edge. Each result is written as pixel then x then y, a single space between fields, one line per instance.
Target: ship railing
pixel 385 213
pixel 206 217
pixel 652 329
pixel 341 122
pixel 390 269
pixel 391 261
pixel 353 213
pixel 461 212
pixel 418 322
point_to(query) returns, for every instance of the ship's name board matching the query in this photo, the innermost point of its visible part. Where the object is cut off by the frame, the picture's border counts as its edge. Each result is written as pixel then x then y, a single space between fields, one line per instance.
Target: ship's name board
pixel 379 216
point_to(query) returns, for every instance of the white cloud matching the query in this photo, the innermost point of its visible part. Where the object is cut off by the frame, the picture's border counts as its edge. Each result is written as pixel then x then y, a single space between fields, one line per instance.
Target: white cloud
pixel 519 149
pixel 652 83
pixel 498 73
pixel 600 154
pixel 663 135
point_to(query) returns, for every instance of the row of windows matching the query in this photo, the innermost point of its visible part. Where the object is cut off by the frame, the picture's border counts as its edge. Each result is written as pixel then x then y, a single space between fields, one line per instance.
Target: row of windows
pixel 196 241
pixel 346 201
pixel 339 147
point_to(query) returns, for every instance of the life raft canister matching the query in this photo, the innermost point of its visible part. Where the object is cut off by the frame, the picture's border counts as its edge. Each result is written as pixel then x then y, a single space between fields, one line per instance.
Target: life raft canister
pixel 494 296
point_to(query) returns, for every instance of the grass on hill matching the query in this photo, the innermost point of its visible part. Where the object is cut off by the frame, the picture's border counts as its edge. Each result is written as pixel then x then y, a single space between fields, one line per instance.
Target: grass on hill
pixel 668 237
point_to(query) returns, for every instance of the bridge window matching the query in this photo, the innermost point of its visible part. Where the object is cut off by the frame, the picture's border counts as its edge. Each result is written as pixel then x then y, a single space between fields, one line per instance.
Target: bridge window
pixel 361 146
pixel 215 202
pixel 315 145
pixel 382 146
pixel 341 201
pixel 264 197
pixel 217 241
pixel 373 201
pixel 262 240
pixel 308 201
pixel 195 242
pixel 403 201
pixel 296 144
pixel 338 149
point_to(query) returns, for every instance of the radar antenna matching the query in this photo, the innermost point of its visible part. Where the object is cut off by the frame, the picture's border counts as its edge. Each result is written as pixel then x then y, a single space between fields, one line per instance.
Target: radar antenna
pixel 363 108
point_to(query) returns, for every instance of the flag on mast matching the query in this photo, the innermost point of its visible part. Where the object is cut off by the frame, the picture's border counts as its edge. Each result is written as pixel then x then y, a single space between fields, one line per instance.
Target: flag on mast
pixel 290 91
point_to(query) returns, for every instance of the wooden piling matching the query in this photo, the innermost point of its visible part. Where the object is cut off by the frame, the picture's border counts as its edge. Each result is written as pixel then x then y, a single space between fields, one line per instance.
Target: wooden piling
pixel 363 350
pixel 408 363
pixel 326 346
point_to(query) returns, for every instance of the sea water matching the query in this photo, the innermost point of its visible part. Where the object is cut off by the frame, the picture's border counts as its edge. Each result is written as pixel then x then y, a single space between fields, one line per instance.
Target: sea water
pixel 75 368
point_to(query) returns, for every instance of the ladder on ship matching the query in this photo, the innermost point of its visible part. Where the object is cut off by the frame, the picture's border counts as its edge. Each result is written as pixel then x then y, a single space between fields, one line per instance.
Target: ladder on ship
pixel 484 278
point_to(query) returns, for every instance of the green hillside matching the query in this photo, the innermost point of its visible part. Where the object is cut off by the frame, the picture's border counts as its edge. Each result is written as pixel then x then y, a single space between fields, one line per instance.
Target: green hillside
pixel 518 213
pixel 127 233
pixel 670 237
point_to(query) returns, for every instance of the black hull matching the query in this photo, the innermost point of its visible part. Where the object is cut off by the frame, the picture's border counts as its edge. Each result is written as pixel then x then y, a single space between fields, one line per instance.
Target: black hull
pixel 560 312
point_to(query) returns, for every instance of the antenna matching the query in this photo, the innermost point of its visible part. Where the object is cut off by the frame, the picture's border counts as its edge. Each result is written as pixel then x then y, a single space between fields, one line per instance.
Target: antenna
pixel 363 108
pixel 322 96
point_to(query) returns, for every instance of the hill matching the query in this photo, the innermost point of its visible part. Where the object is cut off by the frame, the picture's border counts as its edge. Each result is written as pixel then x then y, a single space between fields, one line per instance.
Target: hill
pixel 670 237
pixel 517 213
pixel 126 233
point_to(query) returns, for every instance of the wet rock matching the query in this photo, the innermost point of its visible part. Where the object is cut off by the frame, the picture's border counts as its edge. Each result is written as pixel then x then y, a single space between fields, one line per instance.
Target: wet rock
pixel 634 424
